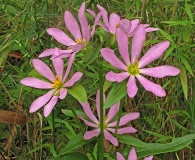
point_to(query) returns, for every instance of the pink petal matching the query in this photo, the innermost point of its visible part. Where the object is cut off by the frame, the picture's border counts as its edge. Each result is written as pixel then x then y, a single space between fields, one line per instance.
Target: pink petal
pixel 110 57
pixel 134 24
pixel 114 20
pixel 49 106
pixel 125 25
pixel 117 77
pixel 110 138
pixel 151 29
pixel 104 14
pixel 60 36
pixel 123 130
pixel 41 101
pixel 43 69
pixel 137 43
pixel 132 87
pixel 98 103
pixel 148 158
pixel 36 83
pixel 81 16
pixel 47 52
pixel 58 64
pixel 153 53
pixel 91 134
pixel 113 111
pixel 87 122
pixel 132 154
pixel 123 41
pixel 63 93
pixel 160 71
pixel 88 112
pixel 72 25
pixel 76 76
pixel 77 47
pixel 70 61
pixel 152 87
pixel 91 12
pixel 125 119
pixel 119 156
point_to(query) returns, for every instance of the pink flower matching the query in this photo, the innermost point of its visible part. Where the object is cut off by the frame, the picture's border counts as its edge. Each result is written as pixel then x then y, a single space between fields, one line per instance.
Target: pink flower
pixel 134 69
pixel 57 82
pixel 108 125
pixel 81 38
pixel 132 156
pixel 110 25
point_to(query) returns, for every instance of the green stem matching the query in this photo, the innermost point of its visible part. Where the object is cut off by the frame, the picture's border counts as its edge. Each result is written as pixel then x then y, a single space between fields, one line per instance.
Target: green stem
pixel 53 126
pixel 101 137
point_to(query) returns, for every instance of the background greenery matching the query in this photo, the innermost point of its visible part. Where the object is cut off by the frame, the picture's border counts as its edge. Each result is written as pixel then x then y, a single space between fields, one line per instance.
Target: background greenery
pixel 23 36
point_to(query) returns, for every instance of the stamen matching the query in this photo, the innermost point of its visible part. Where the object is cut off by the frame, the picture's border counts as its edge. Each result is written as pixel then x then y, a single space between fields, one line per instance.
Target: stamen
pixel 133 69
pixel 57 83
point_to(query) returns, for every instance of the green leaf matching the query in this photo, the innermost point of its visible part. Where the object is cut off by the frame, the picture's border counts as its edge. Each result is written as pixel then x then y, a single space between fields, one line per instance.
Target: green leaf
pixel 91 53
pixel 187 66
pixel 71 156
pixel 168 52
pixel 183 79
pixel 188 10
pixel 157 148
pixel 74 143
pixel 78 92
pixel 166 35
pixel 126 139
pixel 119 90
pixel 70 114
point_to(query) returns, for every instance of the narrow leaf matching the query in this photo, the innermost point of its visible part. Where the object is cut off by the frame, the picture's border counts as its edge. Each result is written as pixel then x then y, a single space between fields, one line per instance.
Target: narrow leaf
pixel 183 79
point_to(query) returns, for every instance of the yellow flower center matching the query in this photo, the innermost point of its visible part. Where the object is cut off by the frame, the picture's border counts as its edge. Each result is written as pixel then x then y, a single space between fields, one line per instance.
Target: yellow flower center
pixel 57 83
pixel 117 25
pixel 81 40
pixel 105 125
pixel 133 69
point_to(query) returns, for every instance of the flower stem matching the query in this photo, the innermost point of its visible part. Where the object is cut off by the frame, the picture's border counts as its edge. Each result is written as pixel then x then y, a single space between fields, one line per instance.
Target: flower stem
pixel 101 137
pixel 53 127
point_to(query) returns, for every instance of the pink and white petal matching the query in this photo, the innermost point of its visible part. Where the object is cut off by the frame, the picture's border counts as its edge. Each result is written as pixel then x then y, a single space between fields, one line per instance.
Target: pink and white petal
pixel 43 69
pixel 62 55
pixel 123 130
pixel 134 24
pixel 60 36
pixel 119 156
pixel 151 29
pixel 117 77
pixel 160 71
pixel 98 103
pixel 47 52
pixel 40 102
pixel 87 122
pixel 104 14
pixel 110 138
pixel 72 25
pixel 63 93
pixel 86 33
pixel 152 87
pixel 137 43
pixel 91 134
pixel 132 87
pixel 114 20
pixel 49 106
pixel 132 154
pixel 91 12
pixel 70 61
pixel 113 111
pixel 76 76
pixel 123 41
pixel 125 25
pixel 77 47
pixel 88 112
pixel 58 64
pixel 148 158
pixel 153 53
pixel 125 119
pixel 109 56
pixel 82 18
pixel 36 83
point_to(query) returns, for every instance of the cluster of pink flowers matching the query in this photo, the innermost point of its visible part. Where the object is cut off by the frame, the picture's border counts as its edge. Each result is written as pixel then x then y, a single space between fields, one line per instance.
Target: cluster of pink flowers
pixel 130 67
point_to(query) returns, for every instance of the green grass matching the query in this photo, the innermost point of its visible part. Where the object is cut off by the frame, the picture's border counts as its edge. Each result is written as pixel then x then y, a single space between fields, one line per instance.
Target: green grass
pixel 23 32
